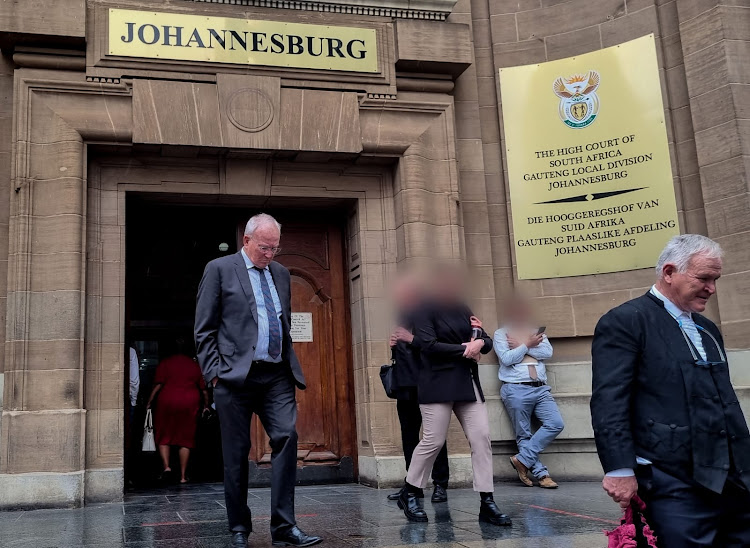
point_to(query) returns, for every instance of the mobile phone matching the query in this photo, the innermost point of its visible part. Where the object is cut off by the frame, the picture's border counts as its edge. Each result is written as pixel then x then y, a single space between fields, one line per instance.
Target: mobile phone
pixel 541 330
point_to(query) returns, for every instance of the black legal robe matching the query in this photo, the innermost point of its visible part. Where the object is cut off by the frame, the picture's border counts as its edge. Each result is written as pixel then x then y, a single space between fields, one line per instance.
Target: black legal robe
pixel 650 399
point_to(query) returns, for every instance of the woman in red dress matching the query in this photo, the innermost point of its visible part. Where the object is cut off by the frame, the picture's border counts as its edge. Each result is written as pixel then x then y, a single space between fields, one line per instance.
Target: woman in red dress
pixel 179 384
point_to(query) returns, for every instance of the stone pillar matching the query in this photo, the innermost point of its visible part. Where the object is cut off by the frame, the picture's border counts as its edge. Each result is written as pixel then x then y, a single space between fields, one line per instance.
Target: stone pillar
pixel 419 129
pixel 104 347
pixel 477 155
pixel 715 38
pixel 44 411
pixel 6 135
pixel 494 182
pixel 430 225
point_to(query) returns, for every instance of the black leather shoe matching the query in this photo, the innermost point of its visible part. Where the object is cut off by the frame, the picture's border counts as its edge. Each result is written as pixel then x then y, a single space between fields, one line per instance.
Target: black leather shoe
pixel 439 494
pixel 295 537
pixel 239 540
pixel 490 513
pixel 409 503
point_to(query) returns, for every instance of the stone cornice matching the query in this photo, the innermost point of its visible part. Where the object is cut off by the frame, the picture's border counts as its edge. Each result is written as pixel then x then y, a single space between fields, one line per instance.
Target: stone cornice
pixel 436 10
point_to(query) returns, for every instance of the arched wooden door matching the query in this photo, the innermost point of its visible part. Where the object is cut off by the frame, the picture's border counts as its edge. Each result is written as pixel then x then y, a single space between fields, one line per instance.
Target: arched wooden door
pixel 314 255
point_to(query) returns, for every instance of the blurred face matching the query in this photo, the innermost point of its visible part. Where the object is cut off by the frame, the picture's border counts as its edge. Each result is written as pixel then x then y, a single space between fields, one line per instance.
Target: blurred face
pixel 263 245
pixel 449 286
pixel 690 290
pixel 405 293
pixel 518 312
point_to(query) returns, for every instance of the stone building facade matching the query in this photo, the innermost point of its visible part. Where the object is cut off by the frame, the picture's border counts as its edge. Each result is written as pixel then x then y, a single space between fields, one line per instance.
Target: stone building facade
pixel 411 156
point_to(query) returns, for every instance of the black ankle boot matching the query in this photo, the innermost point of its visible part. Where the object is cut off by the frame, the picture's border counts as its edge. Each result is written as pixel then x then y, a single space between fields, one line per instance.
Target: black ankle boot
pixel 439 494
pixel 408 501
pixel 394 496
pixel 490 513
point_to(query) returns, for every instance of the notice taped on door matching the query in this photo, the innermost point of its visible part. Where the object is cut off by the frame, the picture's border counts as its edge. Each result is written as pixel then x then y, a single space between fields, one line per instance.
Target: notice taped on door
pixel 301 328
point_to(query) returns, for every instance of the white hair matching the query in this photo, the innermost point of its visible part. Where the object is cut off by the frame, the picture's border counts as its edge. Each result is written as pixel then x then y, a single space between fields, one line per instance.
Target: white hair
pixel 259 220
pixel 680 249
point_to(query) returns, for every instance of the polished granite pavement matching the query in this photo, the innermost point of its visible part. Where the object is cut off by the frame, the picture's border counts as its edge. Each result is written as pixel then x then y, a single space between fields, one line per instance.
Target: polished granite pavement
pixel 347 516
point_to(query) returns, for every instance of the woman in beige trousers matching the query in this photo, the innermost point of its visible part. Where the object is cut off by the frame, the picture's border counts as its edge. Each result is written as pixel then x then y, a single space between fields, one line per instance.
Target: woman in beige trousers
pixel 449 383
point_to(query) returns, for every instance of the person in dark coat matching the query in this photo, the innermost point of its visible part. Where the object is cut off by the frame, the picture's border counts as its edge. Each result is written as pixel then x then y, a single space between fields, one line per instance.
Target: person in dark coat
pixel 666 419
pixel 449 383
pixel 407 357
pixel 242 333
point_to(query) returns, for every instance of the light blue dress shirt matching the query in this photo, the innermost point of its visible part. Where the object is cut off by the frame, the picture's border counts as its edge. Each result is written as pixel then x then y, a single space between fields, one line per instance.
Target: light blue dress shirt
pixel 261 347
pixel 511 368
pixel 685 321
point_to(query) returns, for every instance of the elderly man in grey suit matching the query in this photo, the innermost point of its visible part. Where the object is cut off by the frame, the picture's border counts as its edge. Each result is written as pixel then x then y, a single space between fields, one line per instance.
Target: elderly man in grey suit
pixel 242 321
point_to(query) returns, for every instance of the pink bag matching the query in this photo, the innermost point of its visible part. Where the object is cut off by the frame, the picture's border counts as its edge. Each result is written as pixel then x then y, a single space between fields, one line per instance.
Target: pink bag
pixel 634 532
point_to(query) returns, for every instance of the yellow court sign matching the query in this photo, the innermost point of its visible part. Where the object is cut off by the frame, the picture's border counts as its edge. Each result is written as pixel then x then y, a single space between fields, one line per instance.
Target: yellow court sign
pixel 588 162
pixel 183 37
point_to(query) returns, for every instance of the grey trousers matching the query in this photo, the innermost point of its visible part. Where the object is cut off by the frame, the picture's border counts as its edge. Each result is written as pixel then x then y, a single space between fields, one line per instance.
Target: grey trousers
pixel 436 418
pixel 522 402
pixel 269 392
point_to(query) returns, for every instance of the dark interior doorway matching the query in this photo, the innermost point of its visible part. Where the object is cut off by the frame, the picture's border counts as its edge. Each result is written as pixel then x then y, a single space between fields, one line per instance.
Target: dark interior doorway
pixel 167 248
pixel 169 240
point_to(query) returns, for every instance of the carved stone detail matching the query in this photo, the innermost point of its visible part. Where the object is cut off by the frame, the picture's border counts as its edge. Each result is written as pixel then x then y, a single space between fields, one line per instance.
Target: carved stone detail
pixel 381 96
pixel 435 10
pixel 250 110
pixel 102 80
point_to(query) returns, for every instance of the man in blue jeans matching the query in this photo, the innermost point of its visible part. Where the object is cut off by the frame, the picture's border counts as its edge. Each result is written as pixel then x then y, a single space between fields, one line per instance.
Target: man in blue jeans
pixel 521 347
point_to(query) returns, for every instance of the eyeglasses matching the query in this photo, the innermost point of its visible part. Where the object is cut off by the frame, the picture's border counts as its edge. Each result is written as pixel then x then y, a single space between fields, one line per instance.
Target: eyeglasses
pixel 266 250
pixel 697 359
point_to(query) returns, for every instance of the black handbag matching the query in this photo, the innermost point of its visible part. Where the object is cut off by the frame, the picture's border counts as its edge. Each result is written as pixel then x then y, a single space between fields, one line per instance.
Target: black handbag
pixel 386 376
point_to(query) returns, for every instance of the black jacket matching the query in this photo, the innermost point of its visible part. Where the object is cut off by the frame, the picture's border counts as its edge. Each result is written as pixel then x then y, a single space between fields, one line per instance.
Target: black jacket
pixel 650 399
pixel 447 376
pixel 407 357
pixel 226 320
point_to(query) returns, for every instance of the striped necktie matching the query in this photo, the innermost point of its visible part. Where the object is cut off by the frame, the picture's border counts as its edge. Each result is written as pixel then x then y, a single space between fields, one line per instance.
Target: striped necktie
pixel 274 331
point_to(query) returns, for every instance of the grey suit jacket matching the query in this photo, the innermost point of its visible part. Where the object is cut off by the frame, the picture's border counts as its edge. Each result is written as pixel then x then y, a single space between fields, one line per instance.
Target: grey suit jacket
pixel 226 321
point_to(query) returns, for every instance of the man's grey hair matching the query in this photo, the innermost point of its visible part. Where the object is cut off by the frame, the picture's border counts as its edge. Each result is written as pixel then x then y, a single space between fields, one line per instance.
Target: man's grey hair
pixel 259 220
pixel 680 249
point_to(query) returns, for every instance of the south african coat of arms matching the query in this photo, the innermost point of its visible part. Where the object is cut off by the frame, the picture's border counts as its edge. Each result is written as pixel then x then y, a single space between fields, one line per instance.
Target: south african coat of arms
pixel 579 103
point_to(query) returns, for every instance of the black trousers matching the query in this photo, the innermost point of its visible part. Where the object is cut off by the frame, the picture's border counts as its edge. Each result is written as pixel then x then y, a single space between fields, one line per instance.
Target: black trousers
pixel 410 418
pixel 687 516
pixel 269 392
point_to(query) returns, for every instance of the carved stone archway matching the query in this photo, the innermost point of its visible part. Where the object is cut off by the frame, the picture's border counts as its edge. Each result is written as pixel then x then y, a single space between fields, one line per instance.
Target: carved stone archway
pixel 63 413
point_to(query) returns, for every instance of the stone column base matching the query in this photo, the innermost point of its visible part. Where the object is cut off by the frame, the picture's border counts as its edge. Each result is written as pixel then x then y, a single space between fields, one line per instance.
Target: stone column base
pixel 37 490
pixel 41 490
pixel 104 485
pixel 382 472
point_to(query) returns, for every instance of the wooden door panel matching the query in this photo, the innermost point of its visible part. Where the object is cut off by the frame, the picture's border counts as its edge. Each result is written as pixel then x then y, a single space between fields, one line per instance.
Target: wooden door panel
pixel 325 424
pixel 313 405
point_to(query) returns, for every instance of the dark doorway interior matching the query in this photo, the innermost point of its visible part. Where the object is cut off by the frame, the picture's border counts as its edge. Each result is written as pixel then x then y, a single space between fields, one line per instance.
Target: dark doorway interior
pixel 167 248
